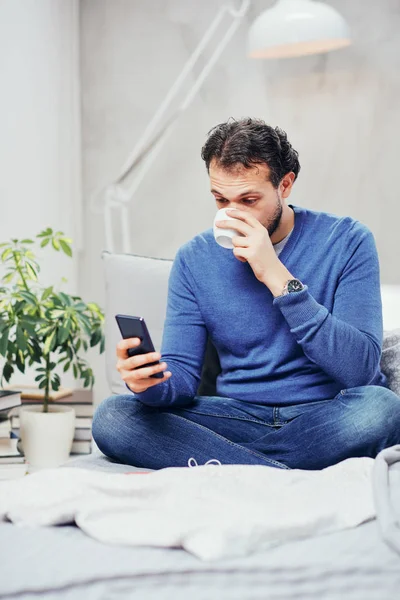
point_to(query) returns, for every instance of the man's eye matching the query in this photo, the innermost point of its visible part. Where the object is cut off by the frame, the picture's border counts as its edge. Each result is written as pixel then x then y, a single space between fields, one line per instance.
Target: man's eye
pixel 245 201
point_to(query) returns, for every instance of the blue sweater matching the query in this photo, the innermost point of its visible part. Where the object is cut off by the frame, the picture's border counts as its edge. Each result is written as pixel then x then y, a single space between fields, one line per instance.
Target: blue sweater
pixel 297 348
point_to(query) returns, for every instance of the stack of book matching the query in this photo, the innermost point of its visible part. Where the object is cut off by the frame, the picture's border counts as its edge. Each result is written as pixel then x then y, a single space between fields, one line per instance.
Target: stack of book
pixel 80 400
pixel 12 462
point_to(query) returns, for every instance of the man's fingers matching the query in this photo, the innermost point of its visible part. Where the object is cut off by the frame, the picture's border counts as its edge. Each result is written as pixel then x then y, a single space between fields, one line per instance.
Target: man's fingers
pixel 124 345
pixel 138 384
pixel 145 372
pixel 133 362
pixel 141 359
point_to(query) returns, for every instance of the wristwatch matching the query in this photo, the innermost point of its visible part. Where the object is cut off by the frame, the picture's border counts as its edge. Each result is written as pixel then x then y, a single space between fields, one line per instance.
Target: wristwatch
pixel 292 286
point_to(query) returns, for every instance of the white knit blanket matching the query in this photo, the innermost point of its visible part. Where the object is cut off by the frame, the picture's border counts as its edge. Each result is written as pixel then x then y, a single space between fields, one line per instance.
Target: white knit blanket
pixel 211 511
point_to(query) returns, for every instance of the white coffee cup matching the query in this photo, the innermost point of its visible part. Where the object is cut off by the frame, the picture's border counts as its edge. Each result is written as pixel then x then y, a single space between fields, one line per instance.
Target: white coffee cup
pixel 223 237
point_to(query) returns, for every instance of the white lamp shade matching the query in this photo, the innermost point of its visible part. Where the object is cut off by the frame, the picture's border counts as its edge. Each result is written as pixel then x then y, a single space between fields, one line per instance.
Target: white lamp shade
pixel 296 28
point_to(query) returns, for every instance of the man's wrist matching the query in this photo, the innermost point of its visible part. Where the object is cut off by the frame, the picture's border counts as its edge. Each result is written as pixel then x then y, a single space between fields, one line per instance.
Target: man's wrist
pixel 277 278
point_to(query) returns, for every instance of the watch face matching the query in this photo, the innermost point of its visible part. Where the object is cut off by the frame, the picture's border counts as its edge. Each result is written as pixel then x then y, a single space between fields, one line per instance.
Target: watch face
pixel 294 285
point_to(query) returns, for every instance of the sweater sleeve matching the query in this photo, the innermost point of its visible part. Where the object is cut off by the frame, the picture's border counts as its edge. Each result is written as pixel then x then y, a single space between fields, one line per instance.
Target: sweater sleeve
pixel 183 343
pixel 346 343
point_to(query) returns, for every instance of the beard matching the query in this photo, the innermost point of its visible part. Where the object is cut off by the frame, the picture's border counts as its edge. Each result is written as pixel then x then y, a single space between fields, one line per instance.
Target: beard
pixel 275 220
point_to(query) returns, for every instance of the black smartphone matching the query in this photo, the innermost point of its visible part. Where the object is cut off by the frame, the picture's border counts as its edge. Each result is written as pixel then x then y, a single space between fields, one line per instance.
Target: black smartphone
pixel 136 327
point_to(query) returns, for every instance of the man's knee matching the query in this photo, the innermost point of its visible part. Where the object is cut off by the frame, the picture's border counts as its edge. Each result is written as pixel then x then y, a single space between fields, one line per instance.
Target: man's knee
pixel 374 412
pixel 106 422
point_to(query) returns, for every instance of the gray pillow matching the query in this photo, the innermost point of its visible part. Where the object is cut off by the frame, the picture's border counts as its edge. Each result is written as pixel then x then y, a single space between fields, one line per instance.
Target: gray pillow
pixel 390 360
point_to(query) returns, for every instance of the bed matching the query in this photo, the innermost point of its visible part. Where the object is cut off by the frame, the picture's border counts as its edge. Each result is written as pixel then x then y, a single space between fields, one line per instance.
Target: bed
pixel 62 563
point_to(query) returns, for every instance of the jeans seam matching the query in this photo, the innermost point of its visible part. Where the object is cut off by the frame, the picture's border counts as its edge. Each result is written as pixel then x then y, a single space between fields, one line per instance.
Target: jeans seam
pixel 209 414
pixel 258 454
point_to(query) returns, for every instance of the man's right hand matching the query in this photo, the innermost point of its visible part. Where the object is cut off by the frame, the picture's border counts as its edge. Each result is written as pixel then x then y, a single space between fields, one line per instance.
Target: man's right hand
pixel 139 380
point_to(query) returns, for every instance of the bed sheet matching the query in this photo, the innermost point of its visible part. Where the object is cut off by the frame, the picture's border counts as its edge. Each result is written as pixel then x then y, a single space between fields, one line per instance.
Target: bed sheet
pixel 62 563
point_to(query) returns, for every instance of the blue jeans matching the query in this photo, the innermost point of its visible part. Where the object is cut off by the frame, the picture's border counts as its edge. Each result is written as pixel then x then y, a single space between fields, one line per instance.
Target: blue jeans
pixel 360 421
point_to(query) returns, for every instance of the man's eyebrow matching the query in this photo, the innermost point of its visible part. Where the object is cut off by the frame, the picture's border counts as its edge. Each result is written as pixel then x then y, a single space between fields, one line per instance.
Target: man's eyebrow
pixel 247 193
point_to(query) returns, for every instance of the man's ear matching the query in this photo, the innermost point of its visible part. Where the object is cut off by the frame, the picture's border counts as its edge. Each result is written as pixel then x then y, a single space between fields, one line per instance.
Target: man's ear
pixel 286 184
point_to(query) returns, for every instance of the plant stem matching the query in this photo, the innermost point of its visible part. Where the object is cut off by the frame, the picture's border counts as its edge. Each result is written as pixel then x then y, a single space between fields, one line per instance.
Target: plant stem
pixel 47 388
pixel 18 268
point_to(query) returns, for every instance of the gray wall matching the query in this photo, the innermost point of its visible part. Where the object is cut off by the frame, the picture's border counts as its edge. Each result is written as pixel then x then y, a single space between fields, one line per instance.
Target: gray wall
pixel 341 111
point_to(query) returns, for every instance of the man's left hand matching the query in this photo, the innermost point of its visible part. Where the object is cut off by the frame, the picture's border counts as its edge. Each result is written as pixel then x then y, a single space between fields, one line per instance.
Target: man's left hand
pixel 256 248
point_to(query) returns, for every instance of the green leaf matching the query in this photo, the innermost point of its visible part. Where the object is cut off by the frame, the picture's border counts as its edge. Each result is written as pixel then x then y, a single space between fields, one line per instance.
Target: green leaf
pixel 65 298
pixel 29 297
pixel 63 333
pixel 44 242
pixel 95 338
pixel 7 252
pixel 80 306
pixel 31 319
pixel 102 344
pixel 28 327
pixel 20 361
pixel 27 241
pixel 36 351
pixel 55 385
pixel 56 244
pixel 75 370
pixel 66 367
pixel 42 384
pixel 4 341
pixel 3 323
pixel 21 339
pixel 8 370
pixel 48 342
pixel 40 377
pixel 45 232
pixel 47 292
pixel 31 272
pixel 8 278
pixel 66 248
pixel 85 323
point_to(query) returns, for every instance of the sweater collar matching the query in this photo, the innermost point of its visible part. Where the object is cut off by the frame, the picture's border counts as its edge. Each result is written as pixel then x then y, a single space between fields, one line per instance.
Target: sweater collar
pixel 299 217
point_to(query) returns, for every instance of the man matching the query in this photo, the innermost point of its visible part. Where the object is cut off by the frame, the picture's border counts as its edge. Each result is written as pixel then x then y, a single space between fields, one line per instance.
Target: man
pixel 294 312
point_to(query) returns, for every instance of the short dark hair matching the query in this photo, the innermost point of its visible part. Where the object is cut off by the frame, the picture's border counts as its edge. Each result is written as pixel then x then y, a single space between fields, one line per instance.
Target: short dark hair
pixel 249 142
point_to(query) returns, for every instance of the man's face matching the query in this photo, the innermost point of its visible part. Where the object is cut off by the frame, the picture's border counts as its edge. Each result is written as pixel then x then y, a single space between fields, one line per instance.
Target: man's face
pixel 251 190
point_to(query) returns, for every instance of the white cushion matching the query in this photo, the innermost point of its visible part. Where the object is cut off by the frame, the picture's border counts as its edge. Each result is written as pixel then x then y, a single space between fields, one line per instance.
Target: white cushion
pixel 135 285
pixel 138 285
pixel 391 306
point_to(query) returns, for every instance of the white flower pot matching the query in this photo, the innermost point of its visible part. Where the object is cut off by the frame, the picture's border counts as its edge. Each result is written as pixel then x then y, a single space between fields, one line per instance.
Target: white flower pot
pixel 46 437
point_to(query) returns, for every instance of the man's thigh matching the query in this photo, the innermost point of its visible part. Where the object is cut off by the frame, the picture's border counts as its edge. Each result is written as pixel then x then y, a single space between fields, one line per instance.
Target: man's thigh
pixel 238 421
pixel 357 422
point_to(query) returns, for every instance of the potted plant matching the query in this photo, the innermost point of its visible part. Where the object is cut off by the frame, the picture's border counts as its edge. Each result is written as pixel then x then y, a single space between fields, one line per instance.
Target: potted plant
pixel 44 328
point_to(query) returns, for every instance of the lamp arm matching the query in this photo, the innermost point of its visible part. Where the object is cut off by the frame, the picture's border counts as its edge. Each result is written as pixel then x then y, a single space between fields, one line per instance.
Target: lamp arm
pixel 174 89
pixel 115 195
pixel 155 150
